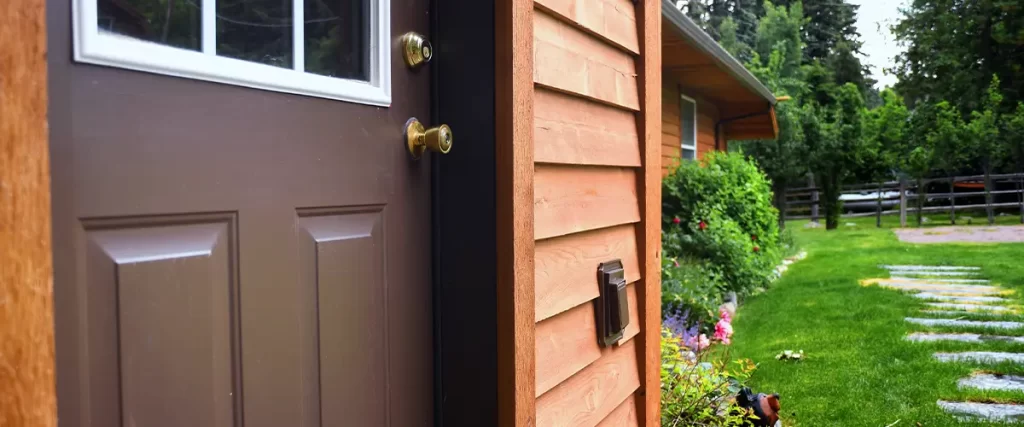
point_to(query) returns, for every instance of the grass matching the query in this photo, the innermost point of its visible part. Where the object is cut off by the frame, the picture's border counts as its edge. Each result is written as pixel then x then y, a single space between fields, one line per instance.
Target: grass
pixel 858 370
pixel 976 217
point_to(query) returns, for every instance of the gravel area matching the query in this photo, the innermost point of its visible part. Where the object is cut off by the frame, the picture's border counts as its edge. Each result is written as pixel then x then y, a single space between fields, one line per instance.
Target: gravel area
pixel 977 234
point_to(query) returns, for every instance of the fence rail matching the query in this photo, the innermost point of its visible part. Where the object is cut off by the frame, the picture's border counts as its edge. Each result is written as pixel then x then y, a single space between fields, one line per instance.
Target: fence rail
pixel 896 197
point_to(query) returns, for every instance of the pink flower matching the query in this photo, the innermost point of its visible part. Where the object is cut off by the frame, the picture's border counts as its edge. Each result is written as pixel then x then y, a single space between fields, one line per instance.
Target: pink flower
pixel 725 315
pixel 698 343
pixel 702 225
pixel 676 220
pixel 676 262
pixel 723 331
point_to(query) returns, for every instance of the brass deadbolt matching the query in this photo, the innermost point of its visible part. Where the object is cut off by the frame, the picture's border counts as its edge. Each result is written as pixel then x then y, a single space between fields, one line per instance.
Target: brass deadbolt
pixel 419 139
pixel 416 50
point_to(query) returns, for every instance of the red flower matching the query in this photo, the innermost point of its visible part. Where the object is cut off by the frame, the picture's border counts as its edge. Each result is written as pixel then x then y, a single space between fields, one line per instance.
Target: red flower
pixel 757 249
pixel 753 237
pixel 702 225
pixel 676 220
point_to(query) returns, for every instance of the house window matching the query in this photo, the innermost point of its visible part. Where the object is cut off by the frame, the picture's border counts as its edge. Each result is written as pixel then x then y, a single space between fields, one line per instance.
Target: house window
pixel 688 127
pixel 340 49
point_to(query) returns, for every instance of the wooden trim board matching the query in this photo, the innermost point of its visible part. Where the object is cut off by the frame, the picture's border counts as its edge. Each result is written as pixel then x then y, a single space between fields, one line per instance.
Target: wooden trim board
pixel 514 193
pixel 27 388
pixel 649 195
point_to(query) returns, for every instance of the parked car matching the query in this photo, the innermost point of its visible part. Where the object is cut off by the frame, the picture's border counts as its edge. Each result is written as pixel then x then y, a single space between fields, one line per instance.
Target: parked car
pixel 866 201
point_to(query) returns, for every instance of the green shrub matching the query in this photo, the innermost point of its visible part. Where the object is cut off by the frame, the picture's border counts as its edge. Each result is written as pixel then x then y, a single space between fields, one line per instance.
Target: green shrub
pixel 699 394
pixel 694 287
pixel 721 211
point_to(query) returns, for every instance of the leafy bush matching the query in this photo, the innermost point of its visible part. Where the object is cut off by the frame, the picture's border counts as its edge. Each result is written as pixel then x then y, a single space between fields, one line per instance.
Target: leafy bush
pixel 721 211
pixel 692 287
pixel 696 393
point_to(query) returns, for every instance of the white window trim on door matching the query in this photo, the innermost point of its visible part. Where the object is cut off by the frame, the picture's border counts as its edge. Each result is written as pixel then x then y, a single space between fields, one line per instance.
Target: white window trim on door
pixel 682 141
pixel 94 47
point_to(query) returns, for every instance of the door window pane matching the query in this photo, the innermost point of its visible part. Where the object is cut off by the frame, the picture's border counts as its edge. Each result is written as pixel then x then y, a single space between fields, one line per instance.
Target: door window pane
pixel 337 38
pixel 175 23
pixel 256 31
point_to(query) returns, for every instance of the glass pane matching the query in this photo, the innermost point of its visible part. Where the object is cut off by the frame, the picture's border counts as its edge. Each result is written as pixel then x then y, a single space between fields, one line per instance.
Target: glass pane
pixel 688 122
pixel 176 23
pixel 338 38
pixel 689 154
pixel 255 30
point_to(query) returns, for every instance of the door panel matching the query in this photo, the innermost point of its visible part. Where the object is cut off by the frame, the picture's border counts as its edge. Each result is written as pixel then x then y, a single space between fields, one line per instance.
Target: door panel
pixel 228 256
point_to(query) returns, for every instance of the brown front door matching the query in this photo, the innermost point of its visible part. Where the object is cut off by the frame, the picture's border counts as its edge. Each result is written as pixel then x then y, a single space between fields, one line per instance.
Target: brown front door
pixel 236 245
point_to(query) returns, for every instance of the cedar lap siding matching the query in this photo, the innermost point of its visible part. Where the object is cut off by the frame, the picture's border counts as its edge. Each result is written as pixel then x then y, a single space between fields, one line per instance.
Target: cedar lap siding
pixel 591 165
pixel 731 103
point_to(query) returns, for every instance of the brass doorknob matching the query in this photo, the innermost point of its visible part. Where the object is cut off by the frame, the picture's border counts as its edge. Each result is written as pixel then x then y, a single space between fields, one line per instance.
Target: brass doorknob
pixel 416 50
pixel 419 139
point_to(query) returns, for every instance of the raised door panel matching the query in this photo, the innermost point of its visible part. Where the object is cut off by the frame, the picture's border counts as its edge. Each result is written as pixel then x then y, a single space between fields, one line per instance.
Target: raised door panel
pixel 342 260
pixel 160 299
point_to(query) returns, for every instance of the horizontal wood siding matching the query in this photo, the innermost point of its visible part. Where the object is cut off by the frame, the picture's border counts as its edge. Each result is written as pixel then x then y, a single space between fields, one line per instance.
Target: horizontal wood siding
pixel 588 174
pixel 566 266
pixel 589 396
pixel 671 142
pixel 573 130
pixel 567 343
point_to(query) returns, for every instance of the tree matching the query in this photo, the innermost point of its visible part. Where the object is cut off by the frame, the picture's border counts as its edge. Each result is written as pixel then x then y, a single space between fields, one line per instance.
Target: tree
pixel 947 139
pixel 953 47
pixel 779 30
pixel 834 146
pixel 730 41
pixel 1013 140
pixel 782 159
pixel 983 136
pixel 885 133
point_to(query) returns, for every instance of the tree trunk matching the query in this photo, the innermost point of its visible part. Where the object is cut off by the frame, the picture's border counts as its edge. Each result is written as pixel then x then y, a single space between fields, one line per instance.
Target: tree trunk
pixel 922 192
pixel 833 207
pixel 952 201
pixel 815 200
pixel 878 208
pixel 780 201
pixel 903 201
pixel 988 192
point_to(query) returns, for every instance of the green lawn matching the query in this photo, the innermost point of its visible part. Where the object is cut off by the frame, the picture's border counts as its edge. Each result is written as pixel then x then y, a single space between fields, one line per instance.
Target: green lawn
pixel 858 369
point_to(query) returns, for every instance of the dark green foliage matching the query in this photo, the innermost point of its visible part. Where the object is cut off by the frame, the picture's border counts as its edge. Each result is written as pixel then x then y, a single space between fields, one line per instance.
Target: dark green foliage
pixel 691 286
pixel 721 212
pixel 953 47
pixel 835 145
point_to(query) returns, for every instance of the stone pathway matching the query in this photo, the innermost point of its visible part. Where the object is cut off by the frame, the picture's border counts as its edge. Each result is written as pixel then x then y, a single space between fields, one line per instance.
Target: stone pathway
pixel 953 293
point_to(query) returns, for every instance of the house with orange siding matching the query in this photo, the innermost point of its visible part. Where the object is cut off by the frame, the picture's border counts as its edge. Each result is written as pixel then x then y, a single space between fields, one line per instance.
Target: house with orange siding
pixel 708 96
pixel 392 213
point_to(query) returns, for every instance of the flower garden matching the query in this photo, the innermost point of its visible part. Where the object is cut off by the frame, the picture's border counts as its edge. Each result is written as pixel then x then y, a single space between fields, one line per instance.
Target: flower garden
pixel 721 244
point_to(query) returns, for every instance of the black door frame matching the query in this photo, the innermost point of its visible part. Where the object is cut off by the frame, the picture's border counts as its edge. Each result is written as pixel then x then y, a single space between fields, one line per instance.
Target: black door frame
pixel 464 248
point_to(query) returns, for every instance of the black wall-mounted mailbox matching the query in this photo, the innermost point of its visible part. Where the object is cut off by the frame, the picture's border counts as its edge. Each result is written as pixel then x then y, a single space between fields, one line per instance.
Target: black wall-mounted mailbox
pixel 612 309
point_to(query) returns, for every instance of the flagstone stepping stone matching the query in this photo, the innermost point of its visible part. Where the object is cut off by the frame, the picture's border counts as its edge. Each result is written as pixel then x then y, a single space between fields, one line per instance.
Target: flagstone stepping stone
pixel 957 298
pixel 967 323
pixel 972 338
pixel 986 411
pixel 937 273
pixel 934 281
pixel 993 382
pixel 930 267
pixel 940 287
pixel 967 307
pixel 980 356
pixel 961 313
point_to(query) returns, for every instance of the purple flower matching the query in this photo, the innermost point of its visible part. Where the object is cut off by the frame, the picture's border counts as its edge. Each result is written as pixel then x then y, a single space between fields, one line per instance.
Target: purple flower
pixel 677 322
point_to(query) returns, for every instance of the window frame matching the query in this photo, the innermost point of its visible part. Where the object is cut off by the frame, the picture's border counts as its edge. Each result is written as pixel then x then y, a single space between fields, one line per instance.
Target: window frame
pixel 113 50
pixel 682 139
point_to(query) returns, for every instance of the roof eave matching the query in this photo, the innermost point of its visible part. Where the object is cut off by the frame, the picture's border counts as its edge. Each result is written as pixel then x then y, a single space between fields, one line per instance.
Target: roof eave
pixel 702 41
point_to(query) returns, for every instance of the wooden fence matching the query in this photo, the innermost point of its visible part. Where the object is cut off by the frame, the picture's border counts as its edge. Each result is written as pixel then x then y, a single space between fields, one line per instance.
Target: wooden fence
pixel 902 197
